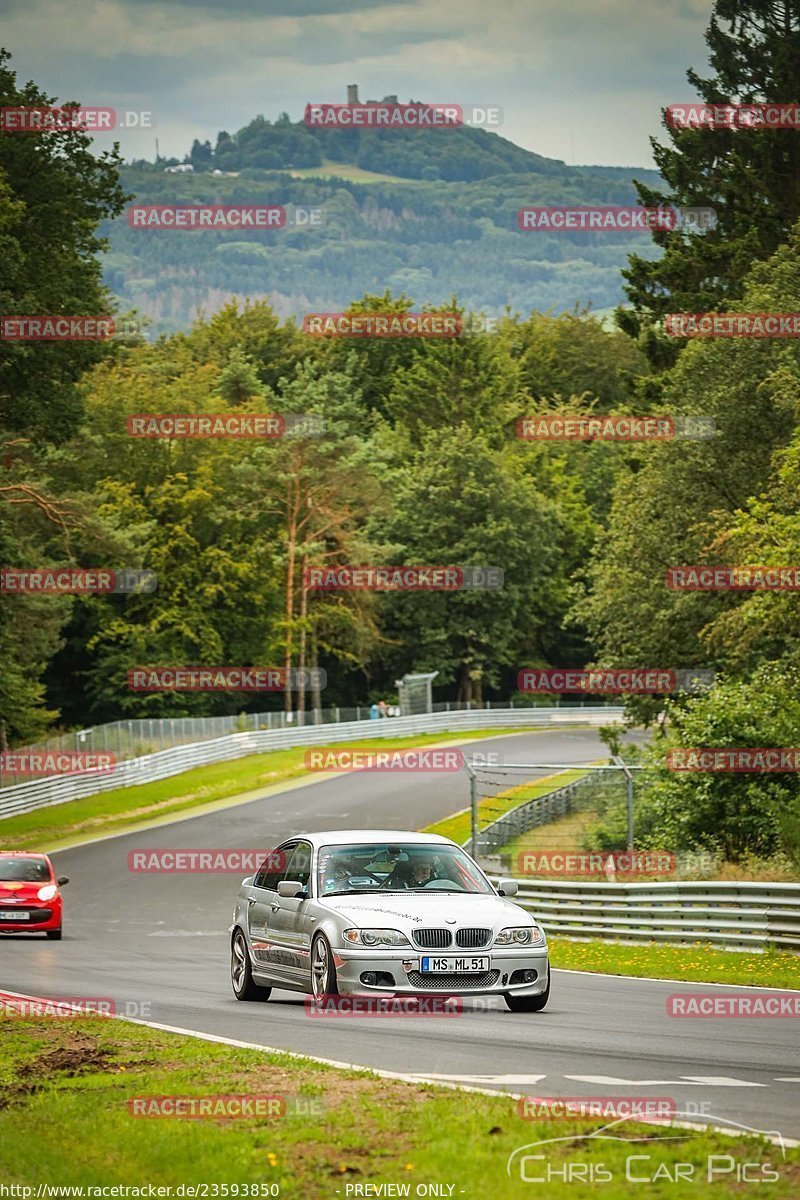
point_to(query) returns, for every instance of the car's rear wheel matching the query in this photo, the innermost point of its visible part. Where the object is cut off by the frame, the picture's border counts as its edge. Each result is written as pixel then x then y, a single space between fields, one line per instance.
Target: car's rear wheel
pixel 528 1003
pixel 244 986
pixel 54 934
pixel 323 969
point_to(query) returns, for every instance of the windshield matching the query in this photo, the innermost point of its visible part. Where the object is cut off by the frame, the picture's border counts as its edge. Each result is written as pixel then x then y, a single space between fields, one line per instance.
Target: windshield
pixel 396 867
pixel 24 870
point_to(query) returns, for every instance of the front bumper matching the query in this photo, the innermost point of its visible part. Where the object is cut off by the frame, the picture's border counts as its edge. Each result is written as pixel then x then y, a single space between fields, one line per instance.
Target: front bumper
pixel 41 918
pixel 407 978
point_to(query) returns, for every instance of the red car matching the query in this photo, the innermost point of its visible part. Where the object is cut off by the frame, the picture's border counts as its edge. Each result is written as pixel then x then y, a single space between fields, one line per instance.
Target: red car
pixel 30 901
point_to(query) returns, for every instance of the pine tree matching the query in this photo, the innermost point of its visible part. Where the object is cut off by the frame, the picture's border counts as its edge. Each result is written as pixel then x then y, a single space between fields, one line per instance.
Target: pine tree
pixel 750 177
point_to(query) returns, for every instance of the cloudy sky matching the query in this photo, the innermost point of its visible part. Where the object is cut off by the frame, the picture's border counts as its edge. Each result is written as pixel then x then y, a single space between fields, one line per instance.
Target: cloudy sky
pixel 580 80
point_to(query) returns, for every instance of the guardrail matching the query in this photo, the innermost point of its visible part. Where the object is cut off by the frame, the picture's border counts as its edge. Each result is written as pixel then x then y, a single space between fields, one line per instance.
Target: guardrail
pixel 25 797
pixel 734 915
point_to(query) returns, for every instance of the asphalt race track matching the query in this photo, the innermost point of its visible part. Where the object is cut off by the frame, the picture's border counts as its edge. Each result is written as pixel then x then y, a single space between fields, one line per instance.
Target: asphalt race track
pixel 161 941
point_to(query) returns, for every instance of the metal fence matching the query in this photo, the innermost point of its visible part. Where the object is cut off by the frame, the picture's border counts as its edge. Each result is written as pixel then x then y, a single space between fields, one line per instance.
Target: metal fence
pixel 540 811
pixel 25 797
pixel 738 916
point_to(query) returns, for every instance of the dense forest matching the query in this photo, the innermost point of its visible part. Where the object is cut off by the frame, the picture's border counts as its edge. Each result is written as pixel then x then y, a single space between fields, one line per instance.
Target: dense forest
pixel 426 214
pixel 419 461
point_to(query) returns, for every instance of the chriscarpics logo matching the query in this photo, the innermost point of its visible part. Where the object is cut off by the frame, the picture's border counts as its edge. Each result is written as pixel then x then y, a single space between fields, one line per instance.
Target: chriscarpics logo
pixel 622 1153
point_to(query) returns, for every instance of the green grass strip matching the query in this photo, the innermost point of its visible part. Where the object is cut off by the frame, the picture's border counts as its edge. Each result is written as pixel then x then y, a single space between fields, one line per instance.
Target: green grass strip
pixel 65 1121
pixel 696 962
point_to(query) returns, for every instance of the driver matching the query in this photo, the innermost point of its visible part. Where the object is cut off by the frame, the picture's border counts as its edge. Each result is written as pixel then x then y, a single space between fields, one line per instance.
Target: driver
pixel 415 873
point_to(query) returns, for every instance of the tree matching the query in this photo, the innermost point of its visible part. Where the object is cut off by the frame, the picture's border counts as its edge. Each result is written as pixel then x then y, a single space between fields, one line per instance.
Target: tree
pixel 735 814
pixel 750 177
pixel 201 155
pixel 316 492
pixel 54 191
pixel 459 501
pixel 676 500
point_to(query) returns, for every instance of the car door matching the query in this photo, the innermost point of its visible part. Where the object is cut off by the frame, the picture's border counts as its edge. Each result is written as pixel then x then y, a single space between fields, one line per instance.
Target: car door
pixel 262 897
pixel 291 925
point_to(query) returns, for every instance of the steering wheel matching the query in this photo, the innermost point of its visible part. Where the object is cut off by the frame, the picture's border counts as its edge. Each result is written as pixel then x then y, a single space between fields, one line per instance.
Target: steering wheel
pixel 384 882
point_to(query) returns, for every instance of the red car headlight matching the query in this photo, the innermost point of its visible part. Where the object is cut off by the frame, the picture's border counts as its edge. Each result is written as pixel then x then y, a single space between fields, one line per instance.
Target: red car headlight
pixel 49 892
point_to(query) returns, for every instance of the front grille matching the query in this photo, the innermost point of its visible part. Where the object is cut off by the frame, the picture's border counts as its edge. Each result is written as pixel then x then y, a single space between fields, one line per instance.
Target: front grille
pixel 457 983
pixel 473 938
pixel 38 915
pixel 432 939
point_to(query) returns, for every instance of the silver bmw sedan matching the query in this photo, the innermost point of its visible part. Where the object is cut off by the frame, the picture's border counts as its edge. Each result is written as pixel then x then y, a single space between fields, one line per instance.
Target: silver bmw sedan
pixel 377 911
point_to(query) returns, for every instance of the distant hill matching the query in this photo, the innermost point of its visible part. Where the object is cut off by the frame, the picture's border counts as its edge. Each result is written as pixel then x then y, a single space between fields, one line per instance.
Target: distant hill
pixel 452 155
pixel 431 213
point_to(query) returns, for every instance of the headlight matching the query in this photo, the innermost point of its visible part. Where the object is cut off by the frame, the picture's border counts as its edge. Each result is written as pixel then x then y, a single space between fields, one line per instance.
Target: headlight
pixel 47 893
pixel 376 937
pixel 519 935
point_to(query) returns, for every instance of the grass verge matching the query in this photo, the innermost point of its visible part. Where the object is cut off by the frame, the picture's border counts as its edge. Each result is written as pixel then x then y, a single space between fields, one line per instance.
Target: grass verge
pixel 124 808
pixel 65 1122
pixel 695 963
pixel 458 826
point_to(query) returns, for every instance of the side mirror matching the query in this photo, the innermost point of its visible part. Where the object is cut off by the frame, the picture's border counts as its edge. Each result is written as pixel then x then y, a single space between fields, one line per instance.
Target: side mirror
pixel 507 887
pixel 292 889
pixel 62 879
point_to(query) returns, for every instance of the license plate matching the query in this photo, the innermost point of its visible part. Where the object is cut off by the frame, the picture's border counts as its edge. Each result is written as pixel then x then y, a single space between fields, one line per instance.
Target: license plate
pixel 15 916
pixel 454 966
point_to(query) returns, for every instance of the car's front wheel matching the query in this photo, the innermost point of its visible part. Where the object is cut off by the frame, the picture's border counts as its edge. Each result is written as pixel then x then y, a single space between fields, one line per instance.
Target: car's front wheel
pixel 528 1003
pixel 244 986
pixel 323 969
pixel 54 934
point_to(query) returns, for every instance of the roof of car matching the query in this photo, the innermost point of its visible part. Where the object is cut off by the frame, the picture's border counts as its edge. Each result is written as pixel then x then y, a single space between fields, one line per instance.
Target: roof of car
pixel 21 854
pixel 344 837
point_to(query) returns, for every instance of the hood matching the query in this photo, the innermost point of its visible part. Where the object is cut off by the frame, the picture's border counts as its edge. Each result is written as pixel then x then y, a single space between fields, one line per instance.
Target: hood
pixel 410 910
pixel 11 889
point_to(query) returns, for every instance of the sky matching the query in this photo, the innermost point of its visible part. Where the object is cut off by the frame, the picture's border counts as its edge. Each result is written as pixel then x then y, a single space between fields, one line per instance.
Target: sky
pixel 580 80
